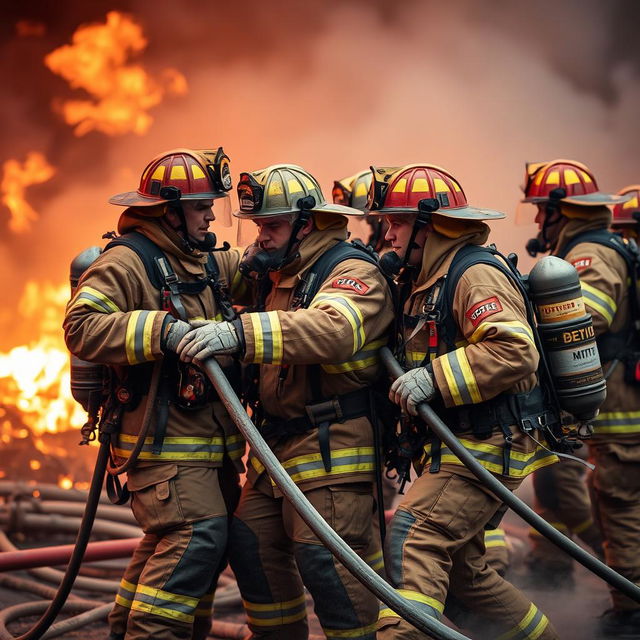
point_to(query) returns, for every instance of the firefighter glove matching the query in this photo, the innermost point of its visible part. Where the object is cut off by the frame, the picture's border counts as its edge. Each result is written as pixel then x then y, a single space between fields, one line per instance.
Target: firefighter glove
pixel 208 338
pixel 412 388
pixel 175 332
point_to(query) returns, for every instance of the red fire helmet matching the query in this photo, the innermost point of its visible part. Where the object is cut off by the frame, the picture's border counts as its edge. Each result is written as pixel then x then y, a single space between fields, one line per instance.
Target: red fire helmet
pixel 624 212
pixel 198 174
pixel 401 189
pixel 571 181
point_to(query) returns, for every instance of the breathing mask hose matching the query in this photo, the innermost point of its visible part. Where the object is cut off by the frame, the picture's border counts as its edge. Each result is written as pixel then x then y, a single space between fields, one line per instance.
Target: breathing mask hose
pixel 440 430
pixel 82 539
pixel 338 547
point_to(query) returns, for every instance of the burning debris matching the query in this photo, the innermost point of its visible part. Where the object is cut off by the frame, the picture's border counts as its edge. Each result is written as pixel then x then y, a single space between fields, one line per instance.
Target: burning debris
pixel 16 177
pixel 121 93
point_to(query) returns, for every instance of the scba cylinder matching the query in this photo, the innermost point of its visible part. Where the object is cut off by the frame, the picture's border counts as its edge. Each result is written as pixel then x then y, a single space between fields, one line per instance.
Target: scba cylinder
pixel 86 377
pixel 568 338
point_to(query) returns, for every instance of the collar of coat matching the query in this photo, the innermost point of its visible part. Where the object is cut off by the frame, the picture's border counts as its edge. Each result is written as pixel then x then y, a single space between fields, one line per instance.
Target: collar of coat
pixel 439 251
pixel 167 239
pixel 310 249
pixel 599 218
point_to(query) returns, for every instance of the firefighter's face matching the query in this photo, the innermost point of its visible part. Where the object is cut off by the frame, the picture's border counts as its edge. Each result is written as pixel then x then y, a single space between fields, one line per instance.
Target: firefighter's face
pixel 198 214
pixel 399 235
pixel 274 232
pixel 550 223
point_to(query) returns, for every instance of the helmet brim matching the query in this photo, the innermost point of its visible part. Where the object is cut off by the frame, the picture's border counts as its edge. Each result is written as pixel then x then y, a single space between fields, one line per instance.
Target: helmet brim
pixel 595 199
pixel 323 208
pixel 463 213
pixel 136 199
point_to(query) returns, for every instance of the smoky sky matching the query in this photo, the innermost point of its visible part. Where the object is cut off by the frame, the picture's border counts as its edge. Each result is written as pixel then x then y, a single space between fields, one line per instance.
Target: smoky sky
pixel 335 86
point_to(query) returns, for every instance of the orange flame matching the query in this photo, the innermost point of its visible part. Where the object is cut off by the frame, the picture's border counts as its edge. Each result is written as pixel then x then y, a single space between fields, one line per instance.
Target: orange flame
pixel 122 93
pixel 16 177
pixel 34 378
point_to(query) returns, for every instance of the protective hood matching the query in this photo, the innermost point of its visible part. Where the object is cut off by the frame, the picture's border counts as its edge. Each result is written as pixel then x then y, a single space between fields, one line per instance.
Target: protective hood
pixel 598 219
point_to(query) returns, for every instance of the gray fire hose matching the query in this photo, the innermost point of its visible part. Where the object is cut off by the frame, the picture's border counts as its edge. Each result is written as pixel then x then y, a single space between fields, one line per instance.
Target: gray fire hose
pixel 338 547
pixel 440 429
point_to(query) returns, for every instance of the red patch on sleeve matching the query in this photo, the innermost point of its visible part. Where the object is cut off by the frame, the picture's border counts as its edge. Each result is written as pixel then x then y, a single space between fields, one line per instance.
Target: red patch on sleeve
pixel 352 284
pixel 482 310
pixel 581 263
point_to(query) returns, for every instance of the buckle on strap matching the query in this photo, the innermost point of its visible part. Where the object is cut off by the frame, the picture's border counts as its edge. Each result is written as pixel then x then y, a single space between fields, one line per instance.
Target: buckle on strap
pixel 328 411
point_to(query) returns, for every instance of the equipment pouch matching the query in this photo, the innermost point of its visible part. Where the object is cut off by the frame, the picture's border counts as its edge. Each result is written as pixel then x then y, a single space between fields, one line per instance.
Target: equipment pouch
pixel 194 389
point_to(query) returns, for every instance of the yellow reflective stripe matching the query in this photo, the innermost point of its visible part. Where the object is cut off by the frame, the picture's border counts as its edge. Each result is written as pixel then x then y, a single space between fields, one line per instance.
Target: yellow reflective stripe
pixel 138 336
pixel 349 460
pixel 460 379
pixel 349 310
pixel 272 613
pixel 100 300
pixel 184 605
pixel 617 422
pixel 267 333
pixel 366 357
pixel 529 628
pixel 219 440
pixel 451 381
pixel 494 538
pixel 349 633
pixel 513 328
pixel 146 336
pixel 375 560
pixel 583 526
pixel 414 596
pixel 123 602
pixel 490 457
pixel 469 378
pixel 599 301
pixel 273 606
pixel 258 340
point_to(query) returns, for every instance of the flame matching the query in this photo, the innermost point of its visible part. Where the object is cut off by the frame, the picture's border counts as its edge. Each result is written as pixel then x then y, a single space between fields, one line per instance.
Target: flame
pixel 123 93
pixel 16 177
pixel 34 378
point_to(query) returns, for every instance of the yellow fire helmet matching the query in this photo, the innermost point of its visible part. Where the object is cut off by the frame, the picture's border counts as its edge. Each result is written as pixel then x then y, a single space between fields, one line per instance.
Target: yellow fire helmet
pixel 283 188
pixel 353 191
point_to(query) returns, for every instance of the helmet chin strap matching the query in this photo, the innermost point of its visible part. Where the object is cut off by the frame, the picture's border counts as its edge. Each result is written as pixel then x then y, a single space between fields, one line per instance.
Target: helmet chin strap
pixel 395 266
pixel 552 217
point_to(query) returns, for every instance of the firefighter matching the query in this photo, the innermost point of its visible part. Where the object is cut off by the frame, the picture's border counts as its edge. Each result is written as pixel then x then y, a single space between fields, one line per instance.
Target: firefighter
pixel 117 318
pixel 626 215
pixel 353 192
pixel 474 369
pixel 573 218
pixel 315 341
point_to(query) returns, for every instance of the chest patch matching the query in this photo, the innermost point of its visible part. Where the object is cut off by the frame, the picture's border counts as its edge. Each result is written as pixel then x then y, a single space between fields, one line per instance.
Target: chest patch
pixel 581 263
pixel 352 284
pixel 482 310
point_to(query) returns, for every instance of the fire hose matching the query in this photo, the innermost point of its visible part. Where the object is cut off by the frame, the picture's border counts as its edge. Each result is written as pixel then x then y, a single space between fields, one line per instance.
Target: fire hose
pixel 82 539
pixel 338 547
pixel 440 429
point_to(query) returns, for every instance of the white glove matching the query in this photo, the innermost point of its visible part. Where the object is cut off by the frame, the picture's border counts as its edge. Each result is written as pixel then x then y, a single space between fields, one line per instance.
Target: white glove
pixel 412 388
pixel 176 331
pixel 208 338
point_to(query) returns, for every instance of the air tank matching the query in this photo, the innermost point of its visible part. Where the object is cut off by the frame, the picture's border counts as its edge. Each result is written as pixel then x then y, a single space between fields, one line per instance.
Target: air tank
pixel 568 338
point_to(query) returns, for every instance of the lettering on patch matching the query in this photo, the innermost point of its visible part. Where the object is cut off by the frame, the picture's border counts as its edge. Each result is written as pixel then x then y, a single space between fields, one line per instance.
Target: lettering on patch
pixel 581 263
pixel 482 310
pixel 352 284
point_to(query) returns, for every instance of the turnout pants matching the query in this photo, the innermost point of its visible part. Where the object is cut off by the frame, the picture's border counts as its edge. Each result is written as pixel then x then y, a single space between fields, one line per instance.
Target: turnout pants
pixel 435 554
pixel 562 499
pixel 274 554
pixel 166 592
pixel 616 490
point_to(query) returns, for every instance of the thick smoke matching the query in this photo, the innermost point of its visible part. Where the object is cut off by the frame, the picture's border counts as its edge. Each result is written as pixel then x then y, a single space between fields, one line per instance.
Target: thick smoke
pixel 478 88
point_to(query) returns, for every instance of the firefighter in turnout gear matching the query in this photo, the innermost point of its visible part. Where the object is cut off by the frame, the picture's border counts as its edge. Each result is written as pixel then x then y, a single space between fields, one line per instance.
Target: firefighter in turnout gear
pixel 315 339
pixel 478 371
pixel 120 318
pixel 626 215
pixel 573 218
